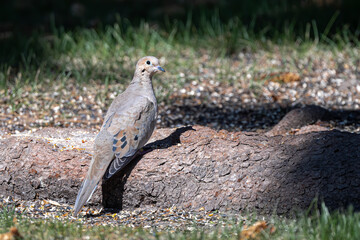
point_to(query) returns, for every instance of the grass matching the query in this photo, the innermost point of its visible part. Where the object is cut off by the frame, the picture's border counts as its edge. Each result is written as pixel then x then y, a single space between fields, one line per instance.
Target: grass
pixel 320 224
pixel 107 55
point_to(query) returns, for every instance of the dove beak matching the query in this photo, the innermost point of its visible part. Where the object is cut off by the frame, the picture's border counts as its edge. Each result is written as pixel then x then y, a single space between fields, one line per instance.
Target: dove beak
pixel 161 69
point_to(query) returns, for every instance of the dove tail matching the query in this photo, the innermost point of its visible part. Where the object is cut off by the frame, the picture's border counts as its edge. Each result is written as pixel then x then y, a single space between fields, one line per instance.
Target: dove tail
pixel 116 165
pixel 86 190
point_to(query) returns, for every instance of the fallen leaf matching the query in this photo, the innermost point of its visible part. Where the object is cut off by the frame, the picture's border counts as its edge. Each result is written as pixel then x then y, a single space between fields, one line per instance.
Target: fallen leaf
pixel 11 235
pixel 283 77
pixel 253 231
pixel 54 203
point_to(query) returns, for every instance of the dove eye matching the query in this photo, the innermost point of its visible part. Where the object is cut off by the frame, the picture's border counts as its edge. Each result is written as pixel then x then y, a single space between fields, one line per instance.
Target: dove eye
pixel 148 62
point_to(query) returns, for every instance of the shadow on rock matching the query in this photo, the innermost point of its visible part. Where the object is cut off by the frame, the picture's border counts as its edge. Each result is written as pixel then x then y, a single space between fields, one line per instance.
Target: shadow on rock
pixel 323 165
pixel 113 188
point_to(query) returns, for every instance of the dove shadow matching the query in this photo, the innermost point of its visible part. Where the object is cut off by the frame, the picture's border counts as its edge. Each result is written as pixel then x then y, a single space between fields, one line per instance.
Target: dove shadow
pixel 113 188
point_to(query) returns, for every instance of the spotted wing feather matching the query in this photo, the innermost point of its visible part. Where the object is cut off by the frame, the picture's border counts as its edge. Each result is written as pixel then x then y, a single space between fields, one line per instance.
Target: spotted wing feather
pixel 130 130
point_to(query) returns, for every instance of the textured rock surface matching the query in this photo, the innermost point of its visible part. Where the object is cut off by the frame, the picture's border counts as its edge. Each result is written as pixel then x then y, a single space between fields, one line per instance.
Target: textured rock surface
pixel 192 167
pixel 298 118
pixel 46 164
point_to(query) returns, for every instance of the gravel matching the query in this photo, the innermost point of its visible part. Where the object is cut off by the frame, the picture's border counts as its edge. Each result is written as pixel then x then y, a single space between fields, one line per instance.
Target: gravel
pixel 248 92
pixel 161 219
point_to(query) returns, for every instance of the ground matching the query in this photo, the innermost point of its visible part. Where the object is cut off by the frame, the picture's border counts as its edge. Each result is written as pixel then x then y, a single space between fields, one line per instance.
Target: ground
pixel 250 91
pixel 242 83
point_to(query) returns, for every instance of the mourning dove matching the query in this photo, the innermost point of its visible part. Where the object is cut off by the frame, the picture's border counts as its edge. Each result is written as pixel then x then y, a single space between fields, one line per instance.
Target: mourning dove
pixel 127 126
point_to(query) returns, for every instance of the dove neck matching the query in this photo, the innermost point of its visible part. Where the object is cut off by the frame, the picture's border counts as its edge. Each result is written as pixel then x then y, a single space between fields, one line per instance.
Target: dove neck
pixel 143 83
pixel 143 79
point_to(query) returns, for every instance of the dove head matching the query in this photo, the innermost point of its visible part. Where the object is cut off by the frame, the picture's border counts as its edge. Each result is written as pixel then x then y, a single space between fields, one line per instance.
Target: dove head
pixel 148 66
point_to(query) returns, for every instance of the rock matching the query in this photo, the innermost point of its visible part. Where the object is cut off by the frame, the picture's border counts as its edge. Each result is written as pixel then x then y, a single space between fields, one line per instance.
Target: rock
pixel 298 118
pixel 191 167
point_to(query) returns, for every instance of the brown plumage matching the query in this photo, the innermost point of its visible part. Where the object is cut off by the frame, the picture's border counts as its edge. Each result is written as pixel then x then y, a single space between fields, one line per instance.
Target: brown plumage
pixel 127 127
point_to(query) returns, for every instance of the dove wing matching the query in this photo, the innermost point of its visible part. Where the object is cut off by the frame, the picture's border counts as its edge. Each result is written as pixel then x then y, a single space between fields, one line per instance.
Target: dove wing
pixel 126 129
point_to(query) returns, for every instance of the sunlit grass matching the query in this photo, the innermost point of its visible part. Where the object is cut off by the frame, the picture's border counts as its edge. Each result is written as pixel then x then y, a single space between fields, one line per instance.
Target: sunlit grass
pixel 321 224
pixel 108 55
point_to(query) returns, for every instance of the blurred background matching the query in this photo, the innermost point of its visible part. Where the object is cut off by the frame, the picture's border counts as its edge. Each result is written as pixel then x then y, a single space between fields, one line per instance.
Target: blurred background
pixel 235 65
pixel 26 16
